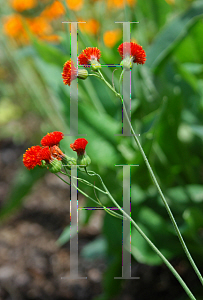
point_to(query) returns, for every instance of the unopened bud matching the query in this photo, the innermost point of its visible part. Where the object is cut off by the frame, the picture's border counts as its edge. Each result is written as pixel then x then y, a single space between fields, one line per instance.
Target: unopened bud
pixel 83 160
pixel 66 160
pixel 127 63
pixel 43 164
pixel 55 166
pixel 95 65
pixel 82 74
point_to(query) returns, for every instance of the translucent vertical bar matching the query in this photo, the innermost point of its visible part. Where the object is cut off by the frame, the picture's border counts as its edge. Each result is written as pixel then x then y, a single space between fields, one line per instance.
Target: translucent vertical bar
pixel 126 253
pixel 73 85
pixel 73 227
pixel 126 131
pixel 126 81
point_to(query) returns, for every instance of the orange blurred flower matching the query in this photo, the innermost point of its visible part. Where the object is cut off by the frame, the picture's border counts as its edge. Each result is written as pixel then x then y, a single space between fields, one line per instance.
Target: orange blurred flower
pixel 115 3
pixel 53 38
pixel 111 37
pixel 39 26
pixel 53 11
pixel 131 3
pixel 91 26
pixel 75 4
pixel 13 27
pixel 21 5
pixel 120 3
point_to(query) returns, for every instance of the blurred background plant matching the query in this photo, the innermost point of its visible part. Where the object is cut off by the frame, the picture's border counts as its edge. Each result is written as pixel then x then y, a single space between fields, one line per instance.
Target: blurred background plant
pixel 166 109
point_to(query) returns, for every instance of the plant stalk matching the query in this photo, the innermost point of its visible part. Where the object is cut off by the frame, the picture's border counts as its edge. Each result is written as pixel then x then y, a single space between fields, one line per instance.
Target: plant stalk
pixel 157 185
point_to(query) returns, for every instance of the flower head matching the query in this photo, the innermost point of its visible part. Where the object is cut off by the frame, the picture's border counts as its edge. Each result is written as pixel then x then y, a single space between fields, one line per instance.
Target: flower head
pixel 39 26
pixel 31 157
pixel 79 146
pixel 69 72
pixel 119 4
pixel 54 10
pixel 111 37
pixel 74 4
pixel 21 5
pixel 82 158
pixel 13 27
pixel 45 154
pixel 56 152
pixel 90 56
pixel 134 51
pixel 91 26
pixel 52 138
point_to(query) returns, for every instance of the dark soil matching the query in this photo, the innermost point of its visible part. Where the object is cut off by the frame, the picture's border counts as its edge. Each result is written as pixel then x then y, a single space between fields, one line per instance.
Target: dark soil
pixel 32 264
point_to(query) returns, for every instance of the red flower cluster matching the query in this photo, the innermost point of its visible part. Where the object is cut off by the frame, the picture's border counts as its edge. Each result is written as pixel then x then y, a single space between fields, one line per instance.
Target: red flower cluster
pixel 31 158
pixel 36 154
pixel 79 146
pixel 52 138
pixel 133 50
pixel 89 54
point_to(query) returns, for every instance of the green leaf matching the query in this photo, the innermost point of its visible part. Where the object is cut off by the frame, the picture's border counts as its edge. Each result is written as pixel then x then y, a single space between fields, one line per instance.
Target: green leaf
pixel 198 130
pixel 95 249
pixel 196 192
pixel 177 194
pixel 149 120
pixel 173 34
pixel 141 250
pixel 65 235
pixel 193 68
pixel 194 219
pixel 48 52
pixel 137 194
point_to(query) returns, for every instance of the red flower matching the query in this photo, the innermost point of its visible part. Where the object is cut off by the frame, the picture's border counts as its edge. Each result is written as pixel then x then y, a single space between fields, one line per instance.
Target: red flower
pixel 69 72
pixel 79 146
pixel 45 154
pixel 89 54
pixel 133 50
pixel 56 152
pixel 52 138
pixel 31 157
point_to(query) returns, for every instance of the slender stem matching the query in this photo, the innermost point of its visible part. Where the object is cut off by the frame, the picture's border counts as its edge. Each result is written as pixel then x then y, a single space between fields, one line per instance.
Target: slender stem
pixel 157 185
pixel 120 80
pixel 108 210
pixel 175 273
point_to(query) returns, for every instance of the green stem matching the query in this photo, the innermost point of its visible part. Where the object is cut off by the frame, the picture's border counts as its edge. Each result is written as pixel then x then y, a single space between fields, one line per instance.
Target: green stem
pixel 157 185
pixel 171 268
pixel 120 81
pixel 98 202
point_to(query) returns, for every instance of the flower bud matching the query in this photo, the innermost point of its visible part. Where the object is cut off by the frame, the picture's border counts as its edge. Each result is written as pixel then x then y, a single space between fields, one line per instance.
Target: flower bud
pixel 127 63
pixel 66 160
pixel 43 164
pixel 55 166
pixel 95 65
pixel 83 160
pixel 82 74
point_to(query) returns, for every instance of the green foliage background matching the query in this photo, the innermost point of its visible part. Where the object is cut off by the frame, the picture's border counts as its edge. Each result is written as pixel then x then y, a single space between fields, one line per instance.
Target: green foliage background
pixel 167 107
